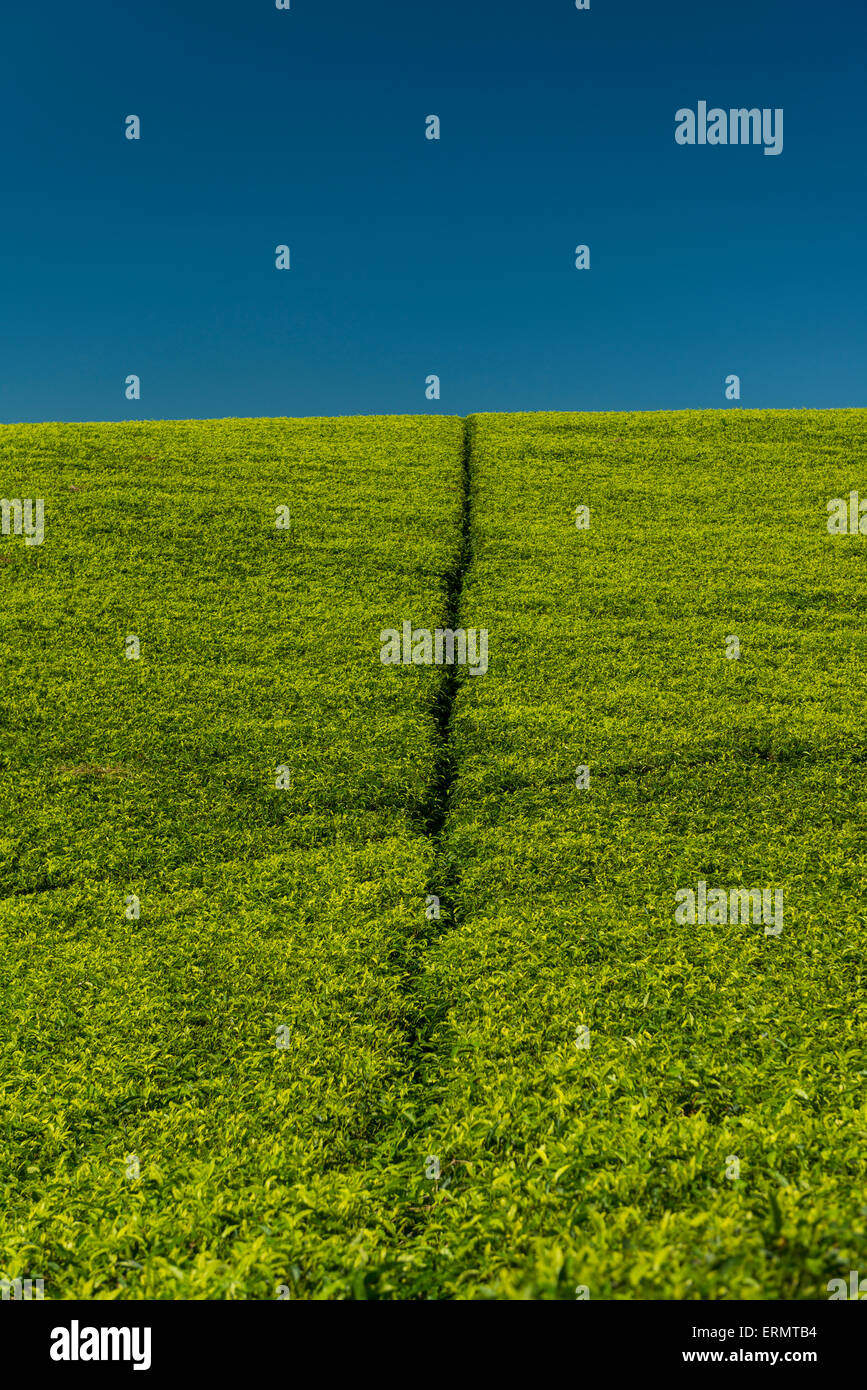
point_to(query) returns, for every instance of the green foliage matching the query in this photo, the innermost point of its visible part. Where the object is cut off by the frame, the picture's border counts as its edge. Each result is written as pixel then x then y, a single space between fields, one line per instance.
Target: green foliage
pixel 304 1165
pixel 606 1166
pixel 260 908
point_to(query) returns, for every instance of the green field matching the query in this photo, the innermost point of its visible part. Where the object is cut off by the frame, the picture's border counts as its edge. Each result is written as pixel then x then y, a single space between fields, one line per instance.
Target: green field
pixel 242 1089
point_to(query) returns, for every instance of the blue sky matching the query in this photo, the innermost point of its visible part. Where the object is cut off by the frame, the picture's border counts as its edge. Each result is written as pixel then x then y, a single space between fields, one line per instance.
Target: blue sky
pixel 411 257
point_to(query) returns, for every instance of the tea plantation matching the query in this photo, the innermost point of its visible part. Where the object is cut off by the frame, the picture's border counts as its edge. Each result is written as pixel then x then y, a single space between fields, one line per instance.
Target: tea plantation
pixel 242 1055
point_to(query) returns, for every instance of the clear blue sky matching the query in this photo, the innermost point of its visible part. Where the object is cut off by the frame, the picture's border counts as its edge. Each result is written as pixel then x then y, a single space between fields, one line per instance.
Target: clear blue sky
pixel 410 256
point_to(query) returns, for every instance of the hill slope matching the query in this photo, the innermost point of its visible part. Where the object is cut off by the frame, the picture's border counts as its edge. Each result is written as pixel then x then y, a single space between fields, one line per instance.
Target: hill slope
pixel 254 1082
